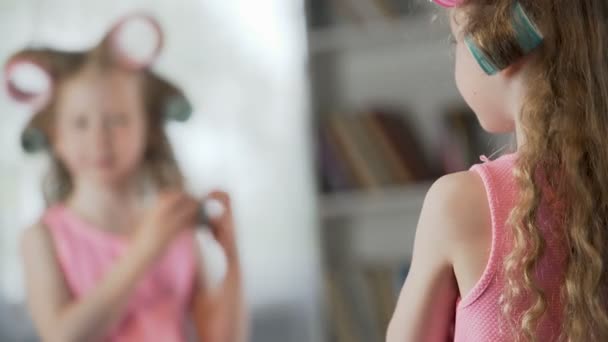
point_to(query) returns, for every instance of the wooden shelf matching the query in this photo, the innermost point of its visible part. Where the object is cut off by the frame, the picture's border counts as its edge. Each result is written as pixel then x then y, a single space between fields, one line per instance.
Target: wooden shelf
pixel 392 201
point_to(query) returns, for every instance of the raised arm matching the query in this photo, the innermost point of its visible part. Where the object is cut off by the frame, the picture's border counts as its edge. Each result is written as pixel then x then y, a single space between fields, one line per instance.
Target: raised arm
pixel 59 317
pixel 220 312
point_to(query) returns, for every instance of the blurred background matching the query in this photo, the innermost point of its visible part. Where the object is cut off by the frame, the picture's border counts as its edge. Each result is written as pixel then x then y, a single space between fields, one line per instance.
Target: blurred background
pixel 327 121
pixel 388 121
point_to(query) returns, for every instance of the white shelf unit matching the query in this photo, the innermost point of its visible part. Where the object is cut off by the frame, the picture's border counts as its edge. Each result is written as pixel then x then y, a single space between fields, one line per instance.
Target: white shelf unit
pixel 377 202
pixel 421 27
pixel 388 62
pixel 405 63
pixel 378 226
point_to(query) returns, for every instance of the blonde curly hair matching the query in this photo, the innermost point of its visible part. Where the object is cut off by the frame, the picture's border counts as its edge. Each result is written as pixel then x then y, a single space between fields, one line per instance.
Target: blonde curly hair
pixel 565 124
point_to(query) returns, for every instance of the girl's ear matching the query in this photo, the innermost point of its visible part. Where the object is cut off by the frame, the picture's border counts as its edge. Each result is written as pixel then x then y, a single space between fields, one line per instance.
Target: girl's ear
pixel 135 41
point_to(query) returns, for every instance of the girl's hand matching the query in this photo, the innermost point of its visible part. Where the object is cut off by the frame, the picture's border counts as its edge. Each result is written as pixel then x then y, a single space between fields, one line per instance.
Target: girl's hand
pixel 173 212
pixel 222 226
pixel 220 314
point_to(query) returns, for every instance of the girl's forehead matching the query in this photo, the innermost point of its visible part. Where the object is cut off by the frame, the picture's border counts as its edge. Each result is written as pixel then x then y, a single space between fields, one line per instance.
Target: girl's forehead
pixel 103 77
pixel 103 83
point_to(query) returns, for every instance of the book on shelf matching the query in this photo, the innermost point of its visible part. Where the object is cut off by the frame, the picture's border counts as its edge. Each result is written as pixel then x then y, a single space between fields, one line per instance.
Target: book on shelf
pixel 349 149
pixel 327 13
pixel 361 301
pixel 318 14
pixel 369 148
pixel 348 11
pixel 369 151
pixel 399 8
pixel 341 317
pixel 352 318
pixel 368 9
pixel 388 151
pixel 381 285
pixel 336 173
pixel 400 131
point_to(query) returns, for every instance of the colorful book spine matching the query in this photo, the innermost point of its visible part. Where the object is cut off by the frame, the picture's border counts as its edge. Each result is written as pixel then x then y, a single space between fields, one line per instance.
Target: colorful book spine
pixel 334 167
pixel 399 171
pixel 361 169
pixel 361 301
pixel 369 151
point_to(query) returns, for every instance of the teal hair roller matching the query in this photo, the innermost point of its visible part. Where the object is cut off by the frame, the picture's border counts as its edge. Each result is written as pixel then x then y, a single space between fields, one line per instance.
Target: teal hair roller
pixel 527 34
pixel 178 108
pixel 33 140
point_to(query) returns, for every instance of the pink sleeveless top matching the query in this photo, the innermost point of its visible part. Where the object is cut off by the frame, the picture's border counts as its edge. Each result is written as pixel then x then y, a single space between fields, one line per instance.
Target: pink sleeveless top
pixel 158 306
pixel 478 314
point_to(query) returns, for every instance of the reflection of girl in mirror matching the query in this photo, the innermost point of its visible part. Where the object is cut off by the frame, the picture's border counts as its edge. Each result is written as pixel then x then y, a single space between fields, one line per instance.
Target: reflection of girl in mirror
pixel 517 248
pixel 104 263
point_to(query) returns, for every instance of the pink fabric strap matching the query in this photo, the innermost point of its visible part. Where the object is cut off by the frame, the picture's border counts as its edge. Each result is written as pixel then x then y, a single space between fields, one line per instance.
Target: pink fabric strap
pixel 448 3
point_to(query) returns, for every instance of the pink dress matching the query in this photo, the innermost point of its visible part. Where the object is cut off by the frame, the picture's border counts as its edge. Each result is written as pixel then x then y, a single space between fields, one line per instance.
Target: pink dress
pixel 478 315
pixel 160 302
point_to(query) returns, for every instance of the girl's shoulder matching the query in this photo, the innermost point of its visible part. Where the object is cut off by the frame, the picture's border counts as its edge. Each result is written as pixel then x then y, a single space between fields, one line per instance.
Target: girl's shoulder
pixel 459 204
pixel 457 210
pixel 36 244
pixel 37 240
pixel 35 235
pixel 465 205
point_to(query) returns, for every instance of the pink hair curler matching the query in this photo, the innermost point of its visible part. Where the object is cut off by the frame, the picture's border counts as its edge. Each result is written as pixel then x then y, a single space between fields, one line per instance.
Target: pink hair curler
pixel 448 3
pixel 28 81
pixel 136 41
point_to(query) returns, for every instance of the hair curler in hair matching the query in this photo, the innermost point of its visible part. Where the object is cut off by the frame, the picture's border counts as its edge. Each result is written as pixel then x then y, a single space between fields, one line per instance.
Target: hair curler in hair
pixel 135 41
pixel 28 81
pixel 171 101
pixel 210 209
pixel 527 34
pixel 33 140
pixel 178 108
pixel 448 3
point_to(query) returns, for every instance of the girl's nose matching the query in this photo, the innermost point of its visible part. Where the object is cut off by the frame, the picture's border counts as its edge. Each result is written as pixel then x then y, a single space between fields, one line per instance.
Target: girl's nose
pixel 100 134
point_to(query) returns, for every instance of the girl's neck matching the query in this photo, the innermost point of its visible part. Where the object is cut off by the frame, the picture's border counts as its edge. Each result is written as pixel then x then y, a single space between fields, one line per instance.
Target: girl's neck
pixel 109 207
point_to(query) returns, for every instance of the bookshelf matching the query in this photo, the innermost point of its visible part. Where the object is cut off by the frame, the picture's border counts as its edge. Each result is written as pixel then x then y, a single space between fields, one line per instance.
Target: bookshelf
pixel 379 225
pixel 358 64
